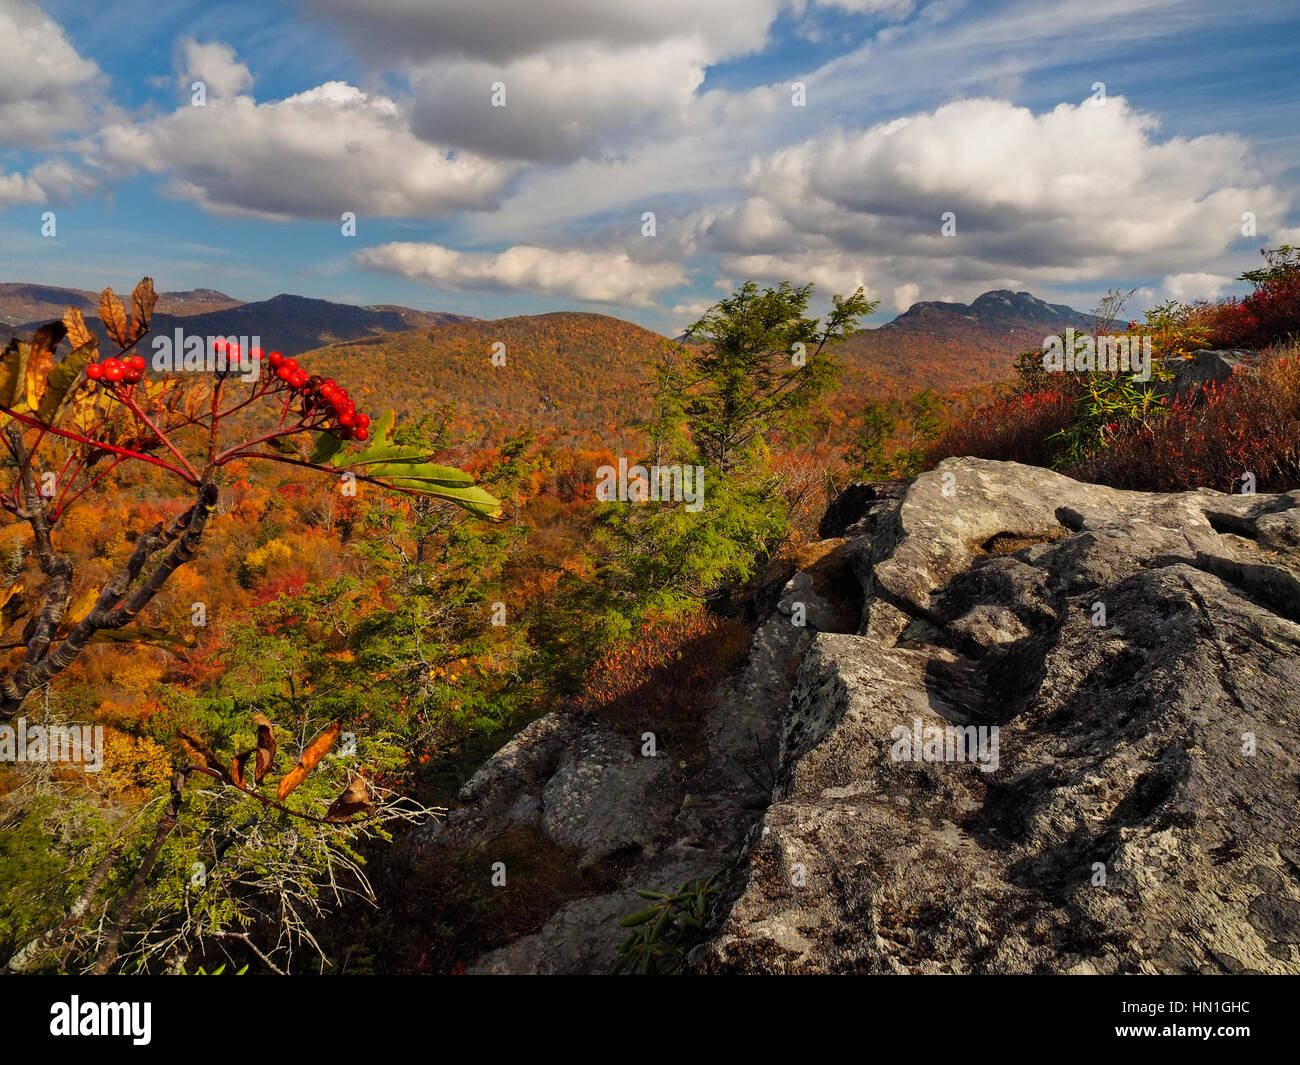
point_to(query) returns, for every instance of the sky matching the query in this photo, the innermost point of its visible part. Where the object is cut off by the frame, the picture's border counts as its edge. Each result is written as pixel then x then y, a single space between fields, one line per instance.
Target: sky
pixel 642 159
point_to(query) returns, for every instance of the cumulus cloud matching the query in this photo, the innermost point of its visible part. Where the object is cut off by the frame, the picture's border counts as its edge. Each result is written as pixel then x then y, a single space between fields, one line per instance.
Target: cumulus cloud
pixel 502 30
pixel 1081 191
pixel 905 296
pixel 214 64
pixel 562 105
pixel 583 79
pixel 46 87
pixel 835 272
pixel 49 183
pixel 314 155
pixel 1189 287
pixel 589 276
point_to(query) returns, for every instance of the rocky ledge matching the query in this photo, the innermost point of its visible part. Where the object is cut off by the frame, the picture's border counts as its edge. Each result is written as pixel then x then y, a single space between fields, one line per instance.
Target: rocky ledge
pixel 1139 656
pixel 1061 738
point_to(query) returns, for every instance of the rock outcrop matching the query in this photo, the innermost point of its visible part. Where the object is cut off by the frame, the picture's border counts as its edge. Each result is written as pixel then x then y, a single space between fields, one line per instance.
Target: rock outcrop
pixel 1136 810
pixel 1027 725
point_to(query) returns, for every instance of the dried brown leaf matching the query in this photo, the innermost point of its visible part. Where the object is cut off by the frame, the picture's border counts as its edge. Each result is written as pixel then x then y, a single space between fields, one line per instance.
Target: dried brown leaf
pixel 113 315
pixel 75 324
pixel 355 799
pixel 316 750
pixel 143 300
pixel 265 747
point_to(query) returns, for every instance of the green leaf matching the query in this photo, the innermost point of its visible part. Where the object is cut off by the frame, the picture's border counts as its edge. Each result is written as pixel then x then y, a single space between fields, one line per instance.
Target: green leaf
pixel 639 918
pixel 474 499
pixel 62 378
pixel 280 444
pixel 327 446
pixel 448 476
pixel 381 432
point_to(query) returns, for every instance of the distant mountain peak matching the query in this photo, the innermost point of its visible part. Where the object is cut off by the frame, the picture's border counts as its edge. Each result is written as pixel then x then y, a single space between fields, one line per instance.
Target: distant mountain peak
pixel 990 308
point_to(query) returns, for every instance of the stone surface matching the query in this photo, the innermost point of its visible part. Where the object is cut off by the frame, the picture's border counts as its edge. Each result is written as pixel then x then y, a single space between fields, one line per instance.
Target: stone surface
pixel 1139 657
pixel 1122 747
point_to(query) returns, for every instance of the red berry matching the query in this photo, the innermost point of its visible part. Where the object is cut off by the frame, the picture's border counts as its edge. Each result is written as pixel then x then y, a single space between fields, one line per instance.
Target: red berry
pixel 131 376
pixel 347 418
pixel 94 371
pixel 277 360
pixel 297 379
pixel 256 353
pixel 363 421
pixel 113 371
pixel 137 363
pixel 291 364
pixel 360 433
pixel 284 373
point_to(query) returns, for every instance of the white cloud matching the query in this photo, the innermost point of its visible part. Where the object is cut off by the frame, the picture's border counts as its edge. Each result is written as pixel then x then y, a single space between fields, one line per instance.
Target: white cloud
pixel 1075 193
pixel 1189 287
pixel 46 87
pixel 19 188
pixel 314 155
pixel 49 183
pixel 590 276
pixel 905 296
pixel 832 272
pixel 215 65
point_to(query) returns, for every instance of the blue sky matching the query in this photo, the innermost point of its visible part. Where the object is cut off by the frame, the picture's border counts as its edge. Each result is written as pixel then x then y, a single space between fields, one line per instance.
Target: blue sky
pixel 615 108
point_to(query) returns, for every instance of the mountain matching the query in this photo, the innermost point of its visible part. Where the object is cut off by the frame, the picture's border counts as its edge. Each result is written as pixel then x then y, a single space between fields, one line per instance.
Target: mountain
pixel 580 378
pixel 22 304
pixel 949 346
pixel 292 324
pixel 584 379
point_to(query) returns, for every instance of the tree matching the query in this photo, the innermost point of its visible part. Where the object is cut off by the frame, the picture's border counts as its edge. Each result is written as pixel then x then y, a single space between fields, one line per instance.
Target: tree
pixel 750 372
pixel 71 427
pixel 86 418
pixel 758 364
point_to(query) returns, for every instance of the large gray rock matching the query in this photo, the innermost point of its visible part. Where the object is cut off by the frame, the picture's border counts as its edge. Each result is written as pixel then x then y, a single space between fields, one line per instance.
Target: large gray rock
pixel 1204 367
pixel 1139 655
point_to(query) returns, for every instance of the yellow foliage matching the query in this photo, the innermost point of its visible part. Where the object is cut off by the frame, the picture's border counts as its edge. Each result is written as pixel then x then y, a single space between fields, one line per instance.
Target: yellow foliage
pixel 272 552
pixel 134 761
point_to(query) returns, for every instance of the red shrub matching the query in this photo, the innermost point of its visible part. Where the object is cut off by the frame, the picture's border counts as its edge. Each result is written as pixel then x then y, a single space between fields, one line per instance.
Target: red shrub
pixel 1249 425
pixel 1014 428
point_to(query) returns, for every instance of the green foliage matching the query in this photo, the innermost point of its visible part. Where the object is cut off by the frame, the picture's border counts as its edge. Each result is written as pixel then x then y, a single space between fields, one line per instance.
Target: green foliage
pixel 1281 261
pixel 664 932
pixel 760 365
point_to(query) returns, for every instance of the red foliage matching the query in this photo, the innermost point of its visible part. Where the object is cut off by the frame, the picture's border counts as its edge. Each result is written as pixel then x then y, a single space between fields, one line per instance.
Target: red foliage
pixel 1011 429
pixel 1268 315
pixel 1251 424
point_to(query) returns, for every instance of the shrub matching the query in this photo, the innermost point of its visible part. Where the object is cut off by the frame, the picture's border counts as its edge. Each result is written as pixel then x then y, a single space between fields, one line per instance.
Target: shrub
pixel 1011 429
pixel 1250 424
pixel 664 676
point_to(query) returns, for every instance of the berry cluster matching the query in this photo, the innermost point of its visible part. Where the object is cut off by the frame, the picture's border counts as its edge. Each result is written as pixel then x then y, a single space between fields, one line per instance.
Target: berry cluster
pixel 321 394
pixel 113 372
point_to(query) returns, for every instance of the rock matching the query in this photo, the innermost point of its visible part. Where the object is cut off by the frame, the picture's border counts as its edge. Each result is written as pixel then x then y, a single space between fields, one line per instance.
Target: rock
pixel 855 503
pixel 1204 367
pixel 1132 651
pixel 605 798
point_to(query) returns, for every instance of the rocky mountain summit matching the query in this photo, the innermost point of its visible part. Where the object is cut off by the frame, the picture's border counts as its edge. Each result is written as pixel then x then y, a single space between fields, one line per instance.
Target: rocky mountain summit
pixel 1132 664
